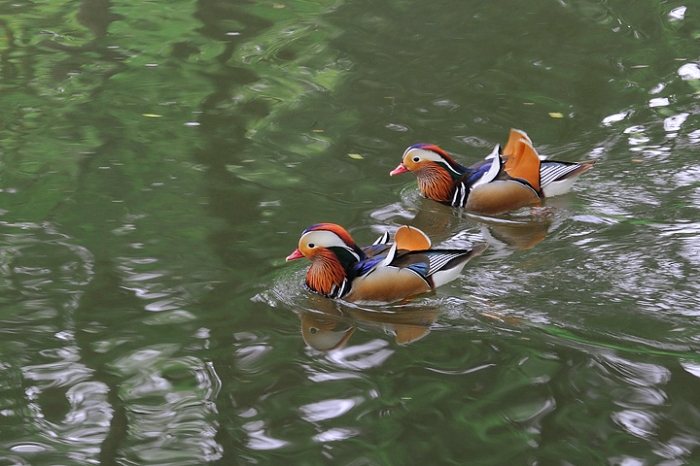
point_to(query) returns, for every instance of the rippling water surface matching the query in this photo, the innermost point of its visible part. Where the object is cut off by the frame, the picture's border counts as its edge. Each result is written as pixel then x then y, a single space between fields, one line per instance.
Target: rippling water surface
pixel 158 162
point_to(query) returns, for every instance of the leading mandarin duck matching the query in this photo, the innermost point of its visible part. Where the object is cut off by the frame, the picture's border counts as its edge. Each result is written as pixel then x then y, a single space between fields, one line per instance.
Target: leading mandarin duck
pixel 504 181
pixel 381 272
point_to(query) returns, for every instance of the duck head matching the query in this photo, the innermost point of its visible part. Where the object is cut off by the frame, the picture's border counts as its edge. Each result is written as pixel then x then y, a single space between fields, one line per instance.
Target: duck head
pixel 332 253
pixel 435 170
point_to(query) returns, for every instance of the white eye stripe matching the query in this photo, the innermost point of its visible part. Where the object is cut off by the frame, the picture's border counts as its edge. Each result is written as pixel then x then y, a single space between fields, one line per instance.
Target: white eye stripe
pixel 325 239
pixel 425 155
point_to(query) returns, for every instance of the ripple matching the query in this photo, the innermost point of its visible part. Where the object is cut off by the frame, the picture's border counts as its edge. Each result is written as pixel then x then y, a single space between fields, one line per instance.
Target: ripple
pixel 691 367
pixel 30 448
pixel 362 357
pixel 316 375
pixel 59 373
pixel 328 409
pixel 335 435
pixel 172 415
pixel 462 371
pixel 675 122
pixel 689 72
pixel 637 423
pixel 259 440
pixel 677 14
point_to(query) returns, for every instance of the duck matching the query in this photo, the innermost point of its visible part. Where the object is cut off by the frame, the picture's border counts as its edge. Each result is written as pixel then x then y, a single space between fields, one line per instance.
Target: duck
pixel 382 272
pixel 505 180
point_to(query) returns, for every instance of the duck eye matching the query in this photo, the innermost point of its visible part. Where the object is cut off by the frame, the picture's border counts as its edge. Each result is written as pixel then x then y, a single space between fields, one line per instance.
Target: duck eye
pixel 312 245
pixel 313 330
pixel 416 159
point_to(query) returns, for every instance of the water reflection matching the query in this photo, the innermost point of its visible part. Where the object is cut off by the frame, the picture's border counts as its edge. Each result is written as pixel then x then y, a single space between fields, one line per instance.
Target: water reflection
pixel 522 229
pixel 325 331
pixel 163 389
pixel 156 402
pixel 125 340
pixel 51 393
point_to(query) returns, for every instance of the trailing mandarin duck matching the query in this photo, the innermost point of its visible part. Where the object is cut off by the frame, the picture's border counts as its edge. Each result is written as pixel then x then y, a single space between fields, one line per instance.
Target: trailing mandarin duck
pixel 382 272
pixel 506 180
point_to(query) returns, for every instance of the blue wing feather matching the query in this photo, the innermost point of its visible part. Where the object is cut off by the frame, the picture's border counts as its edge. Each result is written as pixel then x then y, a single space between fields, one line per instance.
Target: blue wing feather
pixel 477 173
pixel 366 266
pixel 420 268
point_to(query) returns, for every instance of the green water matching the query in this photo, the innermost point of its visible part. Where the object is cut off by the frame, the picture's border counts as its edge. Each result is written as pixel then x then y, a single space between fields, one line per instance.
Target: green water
pixel 158 161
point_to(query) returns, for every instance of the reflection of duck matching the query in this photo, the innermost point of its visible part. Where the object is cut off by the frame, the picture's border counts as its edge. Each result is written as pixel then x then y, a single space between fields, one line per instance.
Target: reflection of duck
pixel 517 234
pixel 380 272
pixel 326 331
pixel 504 181
pixel 521 231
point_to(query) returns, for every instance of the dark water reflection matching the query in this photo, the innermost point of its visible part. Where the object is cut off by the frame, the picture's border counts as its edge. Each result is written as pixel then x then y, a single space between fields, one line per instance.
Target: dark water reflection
pixel 159 163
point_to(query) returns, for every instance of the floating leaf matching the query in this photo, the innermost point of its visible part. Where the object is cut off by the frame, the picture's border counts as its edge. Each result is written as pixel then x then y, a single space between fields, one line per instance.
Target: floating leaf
pixel 355 156
pixel 556 115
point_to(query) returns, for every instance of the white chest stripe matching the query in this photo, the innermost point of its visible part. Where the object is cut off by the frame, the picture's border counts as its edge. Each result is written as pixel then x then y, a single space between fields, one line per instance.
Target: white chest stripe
pixel 460 195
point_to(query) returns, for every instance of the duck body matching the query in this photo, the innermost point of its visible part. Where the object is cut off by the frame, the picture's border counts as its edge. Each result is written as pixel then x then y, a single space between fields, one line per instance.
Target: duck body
pixel 505 180
pixel 381 272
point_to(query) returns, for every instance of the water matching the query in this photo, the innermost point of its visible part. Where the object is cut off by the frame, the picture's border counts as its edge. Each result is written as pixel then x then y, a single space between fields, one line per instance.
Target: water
pixel 159 161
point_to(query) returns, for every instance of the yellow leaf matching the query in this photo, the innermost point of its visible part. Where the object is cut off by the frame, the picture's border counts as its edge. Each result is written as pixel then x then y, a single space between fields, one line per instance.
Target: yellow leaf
pixel 355 156
pixel 556 115
pixel 151 115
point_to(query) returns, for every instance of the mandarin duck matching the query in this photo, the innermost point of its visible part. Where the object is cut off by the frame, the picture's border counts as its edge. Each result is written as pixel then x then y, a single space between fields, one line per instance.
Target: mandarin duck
pixel 378 273
pixel 504 181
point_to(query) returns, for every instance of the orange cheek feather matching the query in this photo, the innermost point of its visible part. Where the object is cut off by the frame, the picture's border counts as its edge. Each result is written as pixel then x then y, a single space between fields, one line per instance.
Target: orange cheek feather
pixel 434 182
pixel 325 271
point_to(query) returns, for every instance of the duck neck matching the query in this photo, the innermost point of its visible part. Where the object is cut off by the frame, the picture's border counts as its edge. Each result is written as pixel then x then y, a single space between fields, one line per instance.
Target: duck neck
pixel 327 275
pixel 435 182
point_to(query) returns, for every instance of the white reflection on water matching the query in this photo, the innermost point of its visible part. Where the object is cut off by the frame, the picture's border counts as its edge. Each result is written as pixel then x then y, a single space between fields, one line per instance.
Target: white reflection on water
pixel 335 434
pixel 637 423
pixel 259 440
pixel 691 367
pixel 328 409
pixel 626 461
pixel 689 71
pixel 674 123
pixel 677 14
pixel 637 374
pixel 316 376
pixel 171 405
pixel 678 447
pixel 63 370
pixel 362 357
pixel 49 390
